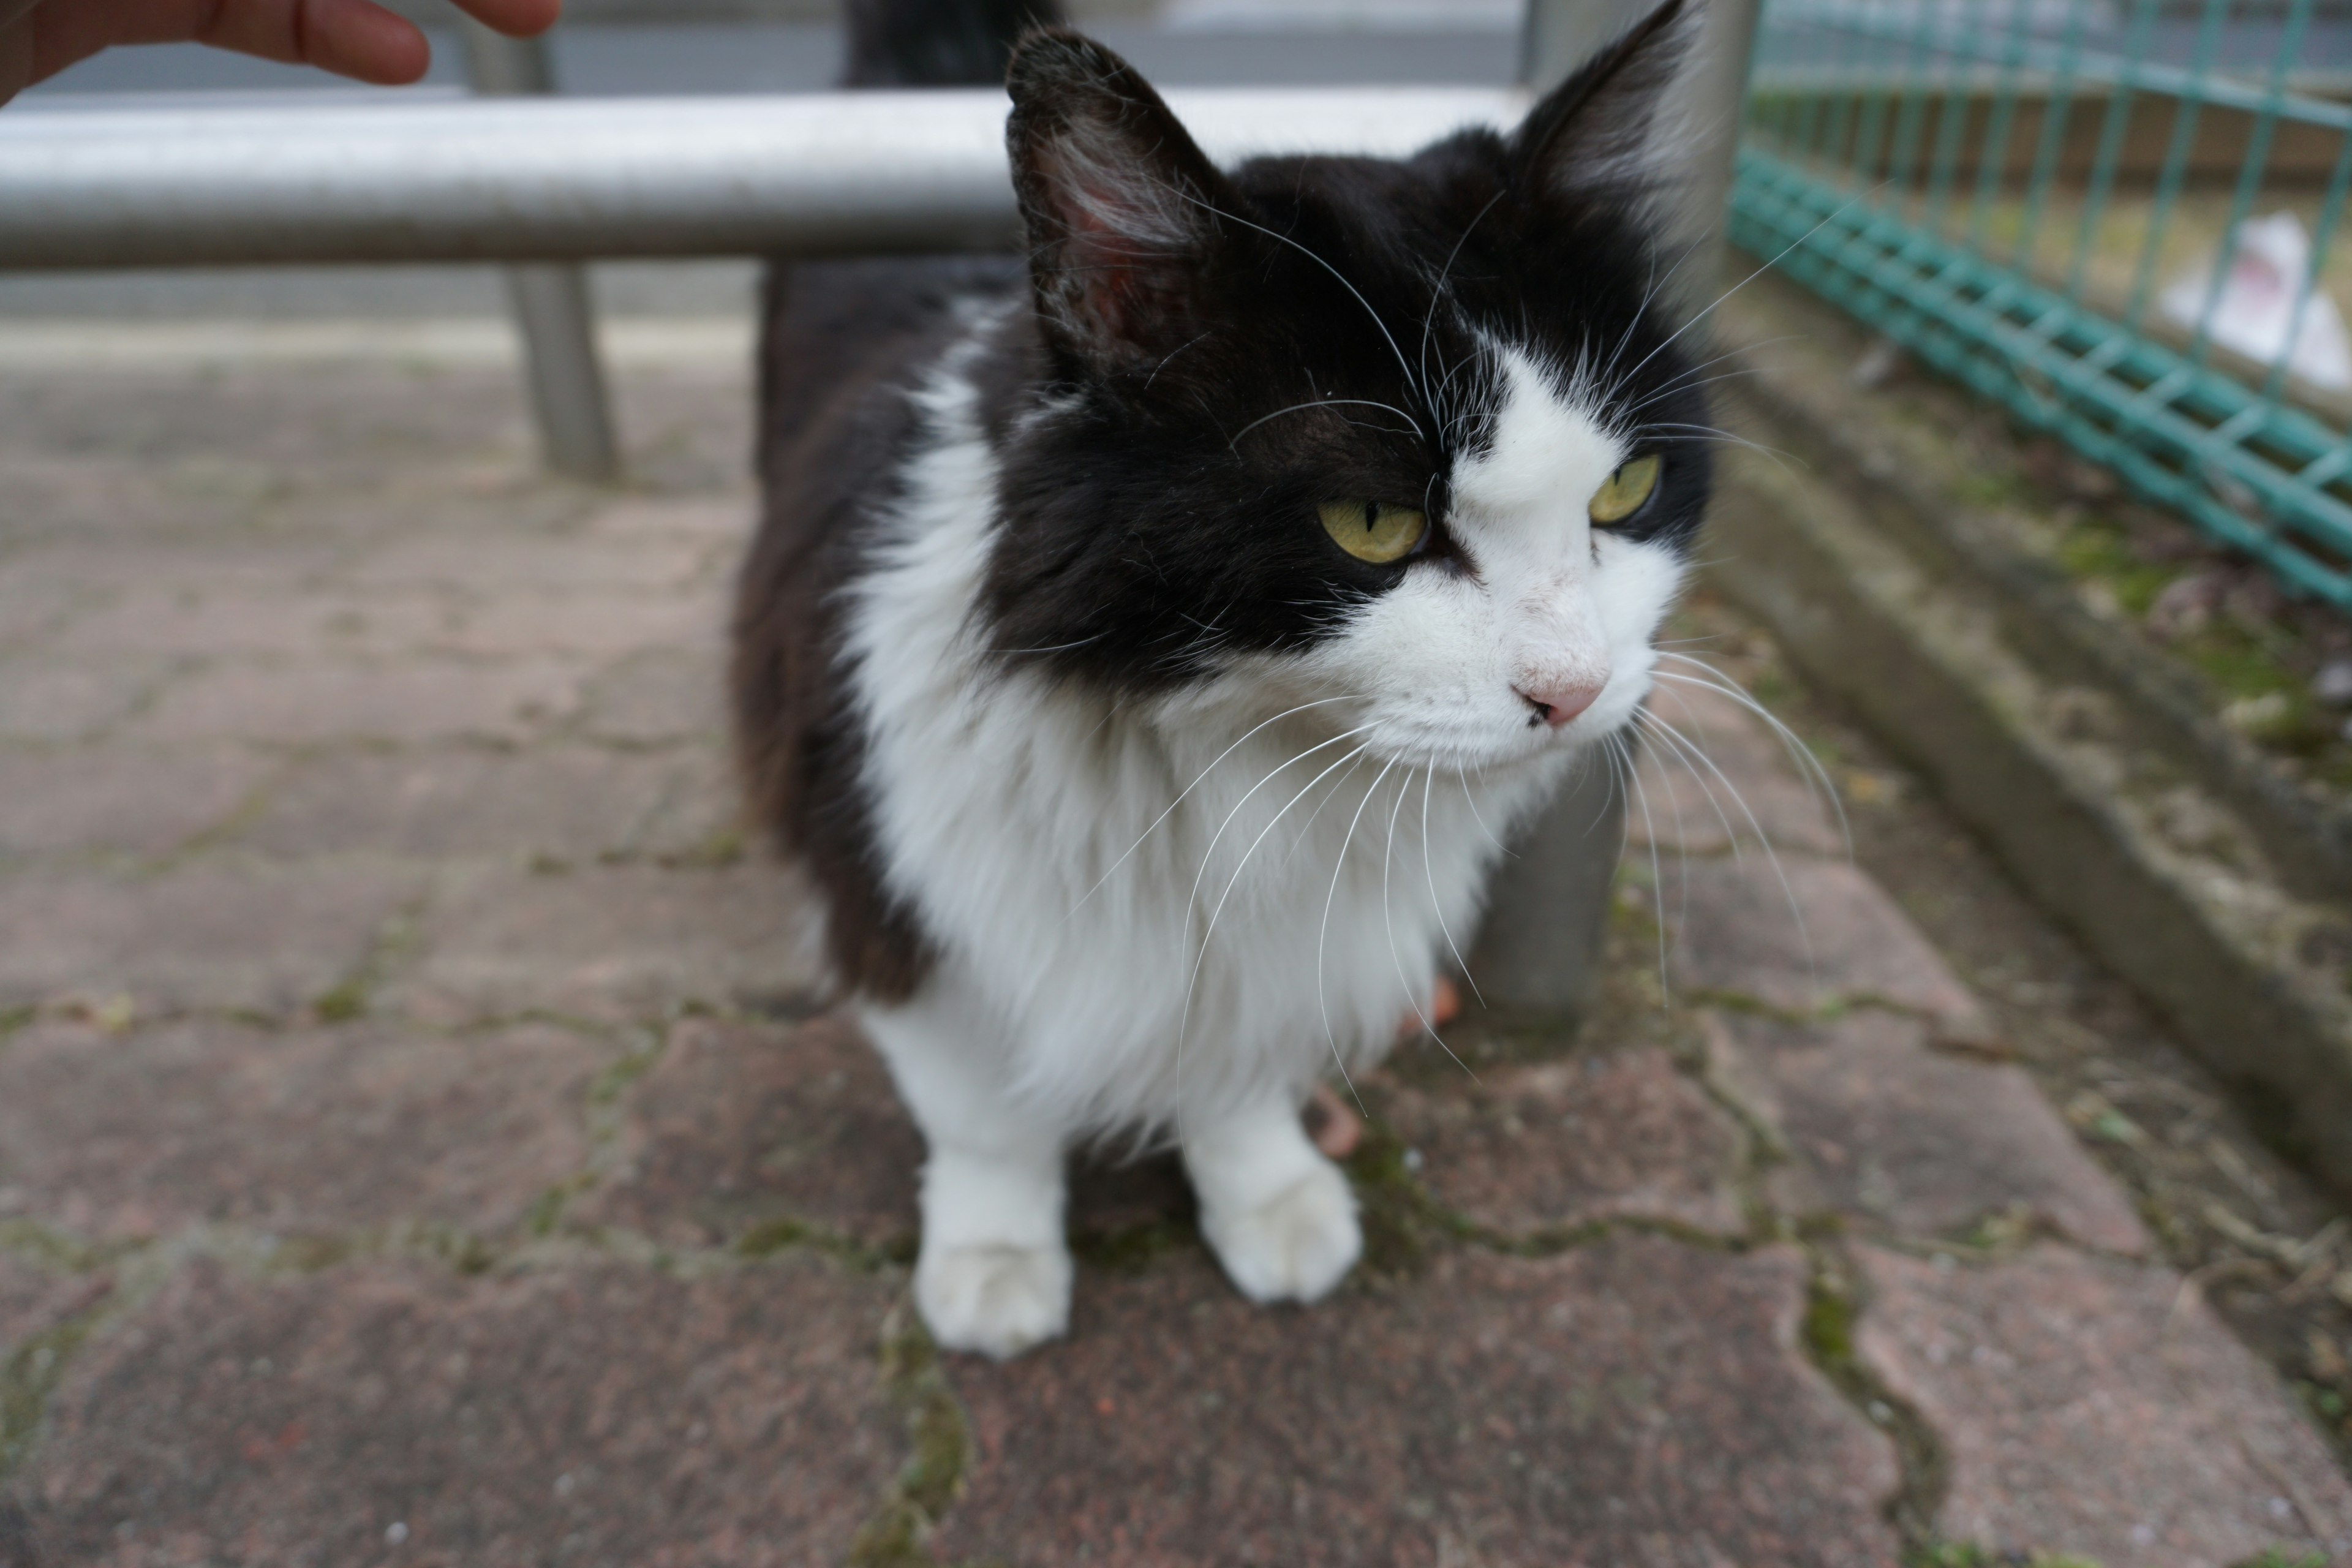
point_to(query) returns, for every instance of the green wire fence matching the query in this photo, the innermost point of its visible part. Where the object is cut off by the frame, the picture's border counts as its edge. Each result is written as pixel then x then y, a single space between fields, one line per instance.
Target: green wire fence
pixel 2121 222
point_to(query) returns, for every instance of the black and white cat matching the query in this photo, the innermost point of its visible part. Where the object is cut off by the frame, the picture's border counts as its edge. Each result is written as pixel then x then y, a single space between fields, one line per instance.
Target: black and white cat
pixel 1146 647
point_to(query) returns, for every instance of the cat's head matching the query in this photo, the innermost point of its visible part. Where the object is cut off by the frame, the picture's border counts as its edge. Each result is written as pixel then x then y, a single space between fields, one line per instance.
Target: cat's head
pixel 1419 440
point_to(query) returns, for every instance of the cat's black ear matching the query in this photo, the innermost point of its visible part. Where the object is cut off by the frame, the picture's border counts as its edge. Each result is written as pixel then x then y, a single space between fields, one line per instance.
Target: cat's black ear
pixel 1597 130
pixel 1120 205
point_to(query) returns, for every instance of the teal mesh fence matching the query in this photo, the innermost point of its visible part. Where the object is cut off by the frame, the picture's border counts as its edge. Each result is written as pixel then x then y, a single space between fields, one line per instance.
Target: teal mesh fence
pixel 2121 221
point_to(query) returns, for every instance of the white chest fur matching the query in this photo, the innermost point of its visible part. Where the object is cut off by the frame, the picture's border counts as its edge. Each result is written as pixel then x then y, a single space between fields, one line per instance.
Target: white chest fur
pixel 1151 915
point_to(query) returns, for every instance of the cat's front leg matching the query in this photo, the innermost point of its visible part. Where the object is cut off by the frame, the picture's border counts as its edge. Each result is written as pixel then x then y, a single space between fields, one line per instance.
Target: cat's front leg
pixel 993 1274
pixel 1280 1215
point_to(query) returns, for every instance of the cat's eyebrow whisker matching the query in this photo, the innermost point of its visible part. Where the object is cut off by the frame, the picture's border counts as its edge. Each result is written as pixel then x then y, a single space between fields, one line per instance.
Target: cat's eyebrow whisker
pixel 1187 789
pixel 1058 647
pixel 1429 874
pixel 1744 282
pixel 1437 293
pixel 1402 364
pixel 1323 935
pixel 1233 440
pixel 1171 354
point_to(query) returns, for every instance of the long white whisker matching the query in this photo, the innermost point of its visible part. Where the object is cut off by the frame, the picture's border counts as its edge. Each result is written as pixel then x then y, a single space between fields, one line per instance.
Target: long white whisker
pixel 1730 833
pixel 1657 874
pixel 1187 789
pixel 1751 277
pixel 1471 801
pixel 1323 936
pixel 1208 856
pixel 1809 766
pixel 1234 440
pixel 1429 782
pixel 1184 1023
pixel 1772 855
pixel 1387 919
pixel 1411 380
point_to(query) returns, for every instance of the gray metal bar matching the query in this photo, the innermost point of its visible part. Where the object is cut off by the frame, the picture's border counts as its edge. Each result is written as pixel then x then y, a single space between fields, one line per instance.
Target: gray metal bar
pixel 550 300
pixel 562 179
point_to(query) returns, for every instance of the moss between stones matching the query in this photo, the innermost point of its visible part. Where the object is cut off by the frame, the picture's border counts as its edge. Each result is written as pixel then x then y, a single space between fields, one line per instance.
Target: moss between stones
pixel 27 1378
pixel 1964 1554
pixel 927 1485
pixel 1833 1307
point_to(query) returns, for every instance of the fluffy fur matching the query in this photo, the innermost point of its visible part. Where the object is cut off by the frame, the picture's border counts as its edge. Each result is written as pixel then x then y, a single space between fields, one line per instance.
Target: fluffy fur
pixel 1136 800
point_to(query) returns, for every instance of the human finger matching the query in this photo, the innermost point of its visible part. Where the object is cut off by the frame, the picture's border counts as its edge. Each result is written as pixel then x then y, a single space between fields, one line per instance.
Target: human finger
pixel 517 19
pixel 356 39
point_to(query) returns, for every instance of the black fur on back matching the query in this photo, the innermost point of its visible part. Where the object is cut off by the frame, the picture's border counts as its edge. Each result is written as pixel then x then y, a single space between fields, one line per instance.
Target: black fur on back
pixel 1204 358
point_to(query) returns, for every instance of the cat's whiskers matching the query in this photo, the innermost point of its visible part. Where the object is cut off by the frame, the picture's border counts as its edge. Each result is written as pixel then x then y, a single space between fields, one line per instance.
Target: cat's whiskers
pixel 1809 767
pixel 1187 789
pixel 1322 937
pixel 1633 776
pixel 1184 1021
pixel 1429 874
pixel 1687 753
pixel 1462 776
pixel 1387 919
pixel 1437 292
pixel 1751 277
pixel 1233 440
pixel 1209 855
pixel 1411 380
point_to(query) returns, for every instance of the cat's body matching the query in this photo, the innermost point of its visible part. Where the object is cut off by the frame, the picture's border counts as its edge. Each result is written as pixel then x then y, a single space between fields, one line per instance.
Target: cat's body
pixel 1141 790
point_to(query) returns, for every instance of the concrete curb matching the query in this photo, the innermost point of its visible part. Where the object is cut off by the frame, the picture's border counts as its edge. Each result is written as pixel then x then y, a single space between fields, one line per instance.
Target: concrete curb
pixel 2198 874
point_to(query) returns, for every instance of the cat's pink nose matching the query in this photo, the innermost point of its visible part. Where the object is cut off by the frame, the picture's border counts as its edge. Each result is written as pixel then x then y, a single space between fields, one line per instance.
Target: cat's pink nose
pixel 1557 702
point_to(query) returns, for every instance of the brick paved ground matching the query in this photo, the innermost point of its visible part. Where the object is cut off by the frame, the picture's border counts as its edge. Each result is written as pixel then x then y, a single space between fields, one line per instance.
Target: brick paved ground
pixel 421 1140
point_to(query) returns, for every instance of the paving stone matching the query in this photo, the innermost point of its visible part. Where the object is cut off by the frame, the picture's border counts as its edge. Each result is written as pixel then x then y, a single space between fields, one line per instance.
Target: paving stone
pixel 35 1299
pixel 613 941
pixel 507 562
pixel 1634 1401
pixel 1752 794
pixel 298 1131
pixel 2099 1408
pixel 656 697
pixel 568 803
pixel 409 700
pixel 206 934
pixel 1882 1128
pixel 594 1415
pixel 121 799
pixel 719 520
pixel 598 622
pixel 1563 1144
pixel 241 615
pixel 1736 933
pixel 741 1124
pixel 44 698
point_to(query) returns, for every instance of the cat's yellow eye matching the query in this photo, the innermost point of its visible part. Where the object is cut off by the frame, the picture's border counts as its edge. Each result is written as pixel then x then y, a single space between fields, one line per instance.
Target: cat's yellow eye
pixel 1374 530
pixel 1624 492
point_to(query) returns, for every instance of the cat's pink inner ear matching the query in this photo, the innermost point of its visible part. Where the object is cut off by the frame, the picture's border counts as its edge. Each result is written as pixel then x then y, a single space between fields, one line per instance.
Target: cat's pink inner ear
pixel 1130 239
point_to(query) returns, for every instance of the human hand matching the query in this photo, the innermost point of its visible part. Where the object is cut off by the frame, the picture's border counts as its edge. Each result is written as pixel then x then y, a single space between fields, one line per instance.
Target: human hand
pixel 357 38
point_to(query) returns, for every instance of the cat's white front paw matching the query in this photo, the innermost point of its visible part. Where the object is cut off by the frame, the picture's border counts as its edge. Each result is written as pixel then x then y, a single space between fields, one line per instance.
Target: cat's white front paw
pixel 1295 1246
pixel 998 1300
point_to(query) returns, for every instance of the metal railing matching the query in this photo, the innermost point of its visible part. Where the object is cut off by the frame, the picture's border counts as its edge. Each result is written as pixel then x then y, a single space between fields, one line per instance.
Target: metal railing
pixel 2121 224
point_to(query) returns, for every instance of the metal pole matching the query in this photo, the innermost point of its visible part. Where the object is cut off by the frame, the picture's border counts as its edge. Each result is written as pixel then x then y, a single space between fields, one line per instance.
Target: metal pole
pixel 550 299
pixel 1538 955
pixel 562 179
